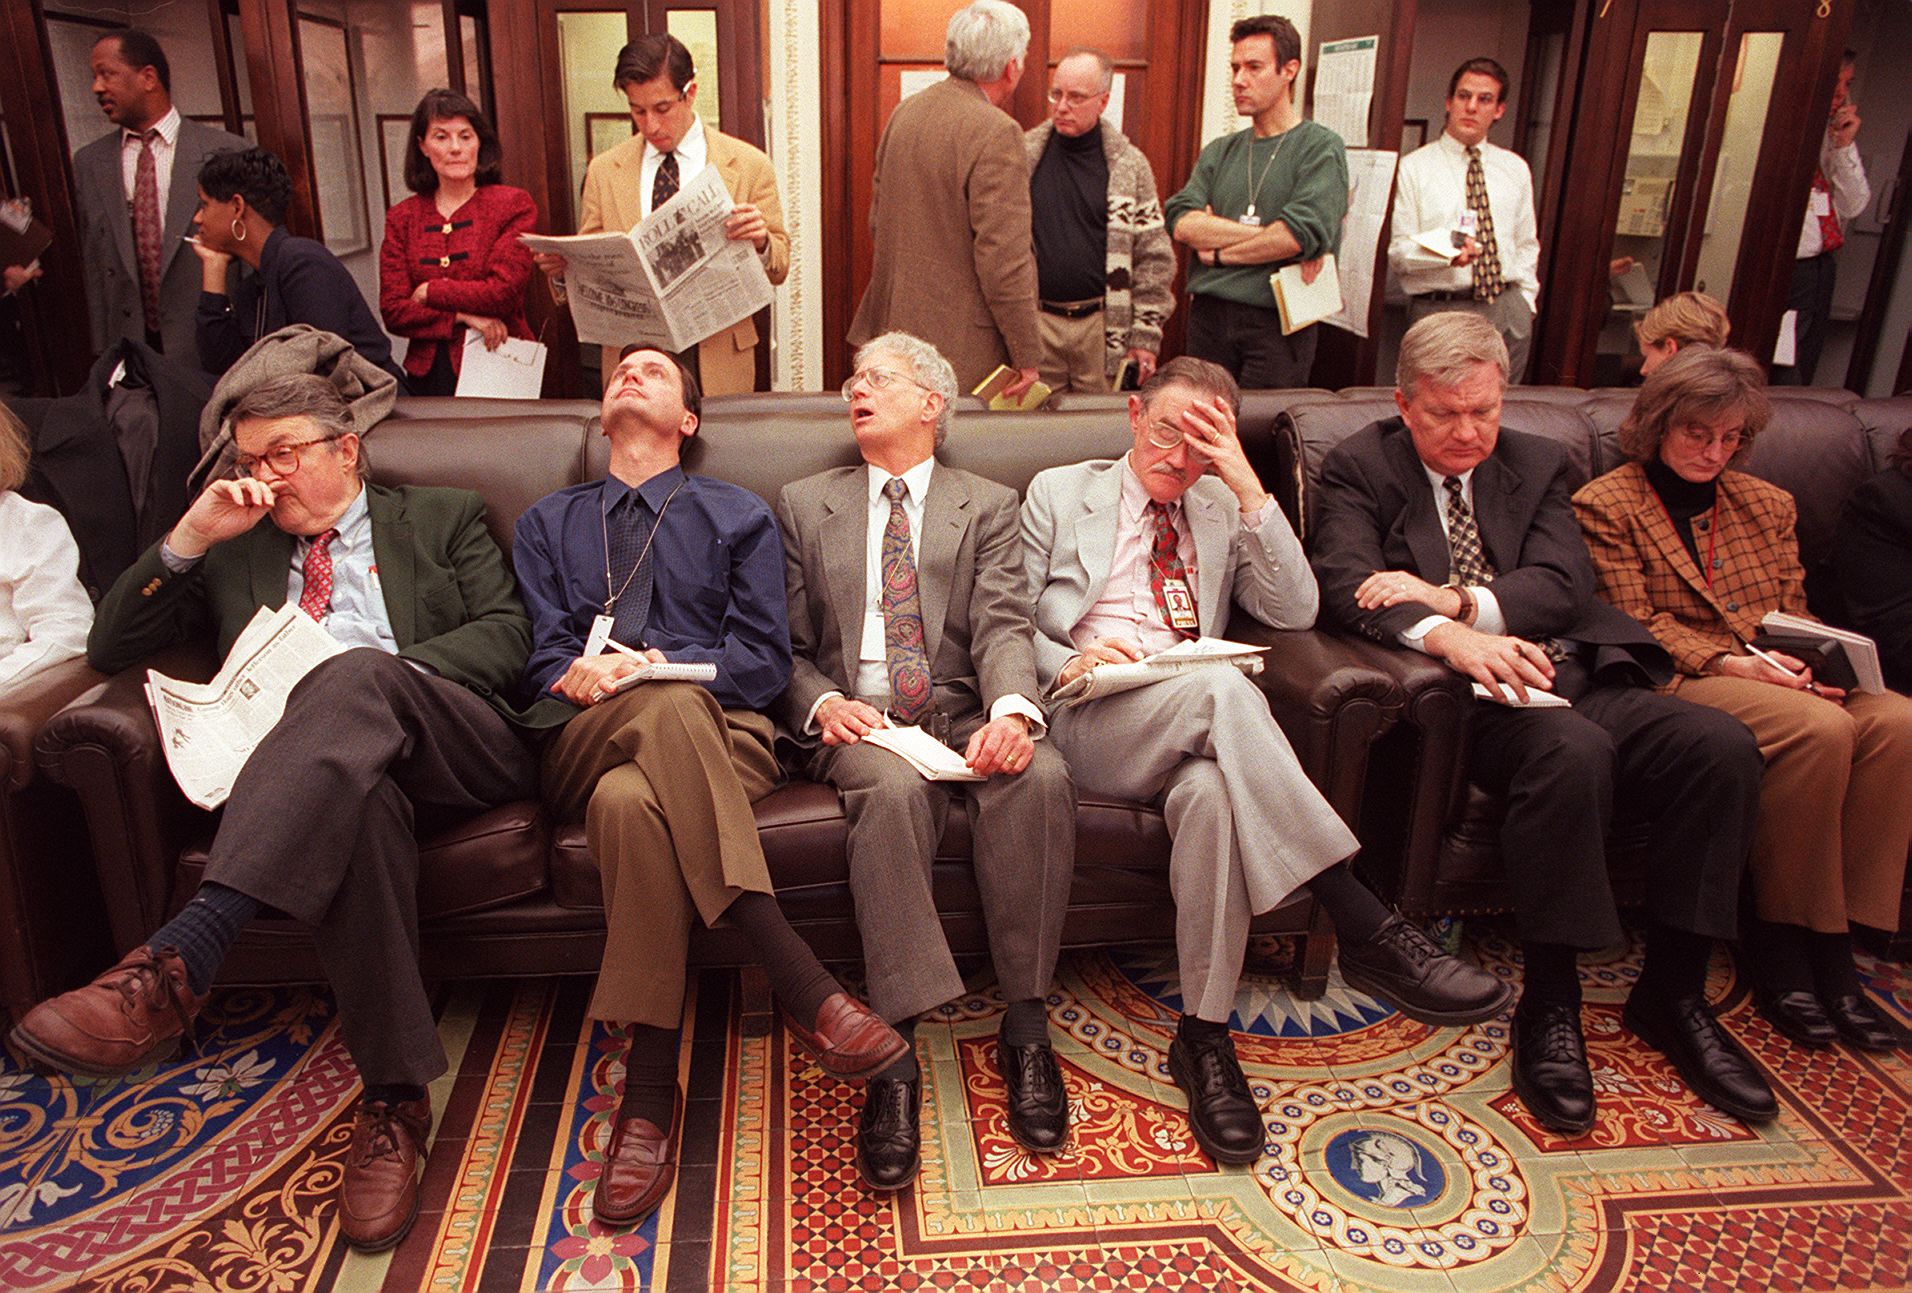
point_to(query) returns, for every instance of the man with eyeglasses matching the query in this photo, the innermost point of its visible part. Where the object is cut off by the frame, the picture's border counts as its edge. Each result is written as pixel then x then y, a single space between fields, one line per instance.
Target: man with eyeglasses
pixel 1131 556
pixel 1441 532
pixel 652 565
pixel 623 185
pixel 950 210
pixel 906 609
pixel 319 822
pixel 1103 258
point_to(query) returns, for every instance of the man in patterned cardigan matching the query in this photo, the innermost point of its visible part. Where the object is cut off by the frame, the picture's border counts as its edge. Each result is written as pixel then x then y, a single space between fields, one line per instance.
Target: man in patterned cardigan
pixel 1103 258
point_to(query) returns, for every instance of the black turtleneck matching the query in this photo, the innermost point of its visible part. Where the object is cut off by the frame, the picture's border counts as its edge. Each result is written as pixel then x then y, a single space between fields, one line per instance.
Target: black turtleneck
pixel 1069 216
pixel 1684 500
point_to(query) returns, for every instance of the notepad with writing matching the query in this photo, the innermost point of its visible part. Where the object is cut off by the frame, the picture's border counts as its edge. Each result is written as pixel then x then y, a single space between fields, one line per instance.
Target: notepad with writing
pixel 666 671
pixel 1304 304
pixel 933 760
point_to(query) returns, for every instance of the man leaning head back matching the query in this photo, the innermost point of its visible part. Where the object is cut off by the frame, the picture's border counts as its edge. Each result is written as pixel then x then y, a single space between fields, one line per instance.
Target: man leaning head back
pixel 1161 418
pixel 651 399
pixel 1452 374
pixel 901 397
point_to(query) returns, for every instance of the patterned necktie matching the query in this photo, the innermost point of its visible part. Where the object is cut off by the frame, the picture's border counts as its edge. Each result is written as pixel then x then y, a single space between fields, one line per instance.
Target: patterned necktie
pixel 631 530
pixel 1467 561
pixel 664 187
pixel 903 646
pixel 1488 283
pixel 1165 563
pixel 315 597
pixel 1831 236
pixel 148 226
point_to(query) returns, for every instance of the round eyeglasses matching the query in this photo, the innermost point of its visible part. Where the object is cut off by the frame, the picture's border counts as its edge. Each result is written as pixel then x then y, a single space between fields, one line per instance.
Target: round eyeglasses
pixel 879 379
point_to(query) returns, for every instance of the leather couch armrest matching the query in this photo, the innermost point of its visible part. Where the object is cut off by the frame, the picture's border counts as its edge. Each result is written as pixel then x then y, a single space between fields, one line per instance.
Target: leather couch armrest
pixel 25 710
pixel 106 748
pixel 1332 703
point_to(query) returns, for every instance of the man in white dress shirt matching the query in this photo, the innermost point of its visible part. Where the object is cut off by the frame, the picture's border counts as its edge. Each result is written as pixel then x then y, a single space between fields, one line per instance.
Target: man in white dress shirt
pixel 1839 194
pixel 1464 231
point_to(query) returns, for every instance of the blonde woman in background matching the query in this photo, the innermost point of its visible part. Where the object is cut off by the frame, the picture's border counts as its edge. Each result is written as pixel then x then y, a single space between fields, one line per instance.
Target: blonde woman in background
pixel 1683 319
pixel 44 613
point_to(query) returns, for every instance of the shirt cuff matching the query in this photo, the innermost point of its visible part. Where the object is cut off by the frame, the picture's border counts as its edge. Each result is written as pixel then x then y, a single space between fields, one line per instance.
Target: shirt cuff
pixel 810 727
pixel 1414 634
pixel 1019 704
pixel 1253 521
pixel 173 561
pixel 1487 614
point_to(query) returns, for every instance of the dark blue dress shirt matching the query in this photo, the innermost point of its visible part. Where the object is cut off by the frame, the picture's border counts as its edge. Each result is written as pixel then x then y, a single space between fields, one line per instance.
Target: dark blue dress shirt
pixel 718 590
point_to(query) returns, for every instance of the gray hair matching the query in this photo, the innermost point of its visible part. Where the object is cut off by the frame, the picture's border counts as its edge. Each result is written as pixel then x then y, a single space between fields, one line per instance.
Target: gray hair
pixel 299 395
pixel 927 366
pixel 1103 63
pixel 1442 348
pixel 984 37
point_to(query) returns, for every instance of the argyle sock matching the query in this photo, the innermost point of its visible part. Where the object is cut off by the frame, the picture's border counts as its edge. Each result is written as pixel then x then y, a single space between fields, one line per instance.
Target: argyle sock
pixel 1833 973
pixel 1025 1023
pixel 650 1076
pixel 1778 954
pixel 1550 973
pixel 1357 914
pixel 904 1069
pixel 204 929
pixel 393 1093
pixel 1675 964
pixel 796 976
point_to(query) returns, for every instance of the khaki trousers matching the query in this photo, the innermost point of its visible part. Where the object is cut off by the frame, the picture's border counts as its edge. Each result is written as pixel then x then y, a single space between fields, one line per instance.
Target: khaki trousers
pixel 1072 352
pixel 1835 806
pixel 664 778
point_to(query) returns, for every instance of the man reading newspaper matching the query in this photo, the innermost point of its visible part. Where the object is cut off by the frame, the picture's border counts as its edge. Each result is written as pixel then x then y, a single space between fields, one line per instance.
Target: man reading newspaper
pixel 319 823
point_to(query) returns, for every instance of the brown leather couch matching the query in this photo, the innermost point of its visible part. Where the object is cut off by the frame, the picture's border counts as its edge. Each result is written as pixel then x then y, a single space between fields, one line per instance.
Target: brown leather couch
pixel 1430 839
pixel 511 892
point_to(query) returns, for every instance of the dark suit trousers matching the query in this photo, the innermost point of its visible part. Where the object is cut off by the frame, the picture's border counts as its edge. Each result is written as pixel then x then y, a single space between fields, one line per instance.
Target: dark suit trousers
pixel 1022 834
pixel 320 826
pixel 1621 752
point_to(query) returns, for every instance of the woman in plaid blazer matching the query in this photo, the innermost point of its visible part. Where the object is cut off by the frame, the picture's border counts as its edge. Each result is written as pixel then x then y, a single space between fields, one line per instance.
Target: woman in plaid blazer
pixel 1699 555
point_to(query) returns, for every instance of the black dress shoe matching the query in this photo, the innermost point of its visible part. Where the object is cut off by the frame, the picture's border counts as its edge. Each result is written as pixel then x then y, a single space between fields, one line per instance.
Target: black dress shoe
pixel 1221 1110
pixel 1797 1015
pixel 887 1137
pixel 1403 966
pixel 1038 1102
pixel 1860 1024
pixel 1717 1068
pixel 1550 1066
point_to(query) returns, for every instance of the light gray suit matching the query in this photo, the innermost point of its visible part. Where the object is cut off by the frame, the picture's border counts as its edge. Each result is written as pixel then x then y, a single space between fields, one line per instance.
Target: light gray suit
pixel 1249 828
pixel 106 242
pixel 976 632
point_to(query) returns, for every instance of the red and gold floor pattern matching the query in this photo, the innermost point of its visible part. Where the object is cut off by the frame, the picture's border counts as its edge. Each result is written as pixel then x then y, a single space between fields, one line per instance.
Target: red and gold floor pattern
pixel 1396 1157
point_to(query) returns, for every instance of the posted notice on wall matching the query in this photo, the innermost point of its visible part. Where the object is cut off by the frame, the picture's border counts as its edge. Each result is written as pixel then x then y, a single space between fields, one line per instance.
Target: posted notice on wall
pixel 1370 182
pixel 1344 87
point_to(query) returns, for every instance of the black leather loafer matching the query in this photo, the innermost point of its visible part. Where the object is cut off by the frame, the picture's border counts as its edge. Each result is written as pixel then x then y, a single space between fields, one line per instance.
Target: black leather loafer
pixel 1038 1101
pixel 1550 1066
pixel 887 1137
pixel 1403 967
pixel 1859 1023
pixel 1717 1068
pixel 1221 1110
pixel 1797 1015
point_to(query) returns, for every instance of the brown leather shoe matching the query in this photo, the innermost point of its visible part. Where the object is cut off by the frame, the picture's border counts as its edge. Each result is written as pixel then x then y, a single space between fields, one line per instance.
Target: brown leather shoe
pixel 134 1011
pixel 378 1194
pixel 640 1166
pixel 850 1041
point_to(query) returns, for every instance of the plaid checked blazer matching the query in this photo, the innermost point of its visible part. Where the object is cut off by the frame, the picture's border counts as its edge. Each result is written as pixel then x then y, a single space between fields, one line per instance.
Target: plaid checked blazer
pixel 1647 572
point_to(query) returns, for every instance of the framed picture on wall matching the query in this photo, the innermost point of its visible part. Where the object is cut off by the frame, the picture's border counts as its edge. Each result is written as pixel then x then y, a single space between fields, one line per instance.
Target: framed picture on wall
pixel 604 131
pixel 1413 134
pixel 394 134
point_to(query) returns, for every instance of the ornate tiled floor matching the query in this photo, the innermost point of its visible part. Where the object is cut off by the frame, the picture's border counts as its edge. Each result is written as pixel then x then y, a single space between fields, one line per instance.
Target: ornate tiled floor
pixel 1396 1158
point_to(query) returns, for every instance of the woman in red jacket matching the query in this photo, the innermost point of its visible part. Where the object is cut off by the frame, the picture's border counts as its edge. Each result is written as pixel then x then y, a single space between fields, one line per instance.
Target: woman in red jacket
pixel 452 259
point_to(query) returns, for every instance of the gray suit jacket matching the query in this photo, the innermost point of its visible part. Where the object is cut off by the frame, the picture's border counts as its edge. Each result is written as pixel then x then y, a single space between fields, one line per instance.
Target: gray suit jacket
pixel 975 627
pixel 106 242
pixel 1069 524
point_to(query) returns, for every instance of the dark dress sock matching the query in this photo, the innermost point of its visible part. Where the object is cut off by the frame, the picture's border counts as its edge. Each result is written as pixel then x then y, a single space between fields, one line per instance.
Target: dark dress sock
pixel 1550 972
pixel 1833 973
pixel 650 1076
pixel 904 1069
pixel 1357 914
pixel 1778 954
pixel 796 975
pixel 393 1093
pixel 1675 964
pixel 204 929
pixel 1193 1029
pixel 1025 1023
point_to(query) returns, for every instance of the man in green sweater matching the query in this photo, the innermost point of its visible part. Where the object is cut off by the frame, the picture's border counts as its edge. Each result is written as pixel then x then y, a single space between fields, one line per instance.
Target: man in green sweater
pixel 1261 198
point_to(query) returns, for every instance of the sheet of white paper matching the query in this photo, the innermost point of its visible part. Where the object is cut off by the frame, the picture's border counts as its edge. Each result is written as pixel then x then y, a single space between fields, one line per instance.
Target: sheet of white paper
pixel 917 79
pixel 1785 350
pixel 514 371
pixel 1370 186
pixel 1344 87
pixel 1438 241
pixel 1117 87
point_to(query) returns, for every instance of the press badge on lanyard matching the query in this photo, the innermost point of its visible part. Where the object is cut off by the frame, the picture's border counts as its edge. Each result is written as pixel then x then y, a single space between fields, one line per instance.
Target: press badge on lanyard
pixel 600 636
pixel 1180 604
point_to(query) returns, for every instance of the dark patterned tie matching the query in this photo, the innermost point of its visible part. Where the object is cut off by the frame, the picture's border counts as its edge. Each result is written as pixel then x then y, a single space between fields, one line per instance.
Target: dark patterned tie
pixel 903 646
pixel 148 227
pixel 631 566
pixel 1165 563
pixel 664 187
pixel 315 596
pixel 1488 283
pixel 1467 562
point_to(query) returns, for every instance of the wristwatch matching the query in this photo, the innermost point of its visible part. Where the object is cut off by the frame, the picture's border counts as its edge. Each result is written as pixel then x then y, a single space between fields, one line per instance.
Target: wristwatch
pixel 1470 609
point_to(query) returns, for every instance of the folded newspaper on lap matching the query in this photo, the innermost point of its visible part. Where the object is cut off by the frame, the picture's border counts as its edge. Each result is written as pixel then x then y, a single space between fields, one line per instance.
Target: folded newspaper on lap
pixel 210 729
pixel 669 671
pixel 1108 679
pixel 1536 698
pixel 1862 653
pixel 929 756
pixel 670 282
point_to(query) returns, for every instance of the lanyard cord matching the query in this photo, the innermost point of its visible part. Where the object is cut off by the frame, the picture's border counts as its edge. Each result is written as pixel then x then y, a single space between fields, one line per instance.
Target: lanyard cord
pixel 610 598
pixel 1248 165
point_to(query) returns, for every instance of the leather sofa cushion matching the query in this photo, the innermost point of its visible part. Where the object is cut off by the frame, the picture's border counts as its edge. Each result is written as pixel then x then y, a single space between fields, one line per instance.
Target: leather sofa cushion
pixel 546 455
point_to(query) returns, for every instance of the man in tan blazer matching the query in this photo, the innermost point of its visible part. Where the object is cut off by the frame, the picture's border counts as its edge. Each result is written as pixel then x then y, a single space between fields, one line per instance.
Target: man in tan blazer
pixel 672 144
pixel 954 262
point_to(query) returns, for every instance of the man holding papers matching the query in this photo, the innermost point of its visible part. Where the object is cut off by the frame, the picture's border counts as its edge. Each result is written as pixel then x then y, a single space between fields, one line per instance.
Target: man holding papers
pixel 1129 558
pixel 1443 533
pixel 685 569
pixel 319 822
pixel 906 611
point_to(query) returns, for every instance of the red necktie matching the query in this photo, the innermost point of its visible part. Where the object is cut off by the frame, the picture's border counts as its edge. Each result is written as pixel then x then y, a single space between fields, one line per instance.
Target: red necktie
pixel 316 597
pixel 148 226
pixel 1165 563
pixel 1831 236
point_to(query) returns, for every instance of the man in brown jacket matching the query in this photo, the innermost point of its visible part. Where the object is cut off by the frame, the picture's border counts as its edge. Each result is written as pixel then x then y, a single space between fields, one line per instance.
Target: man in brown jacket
pixel 954 263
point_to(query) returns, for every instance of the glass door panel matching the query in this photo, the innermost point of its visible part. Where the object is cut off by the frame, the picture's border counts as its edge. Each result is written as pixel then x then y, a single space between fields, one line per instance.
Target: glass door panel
pixel 1746 113
pixel 597 117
